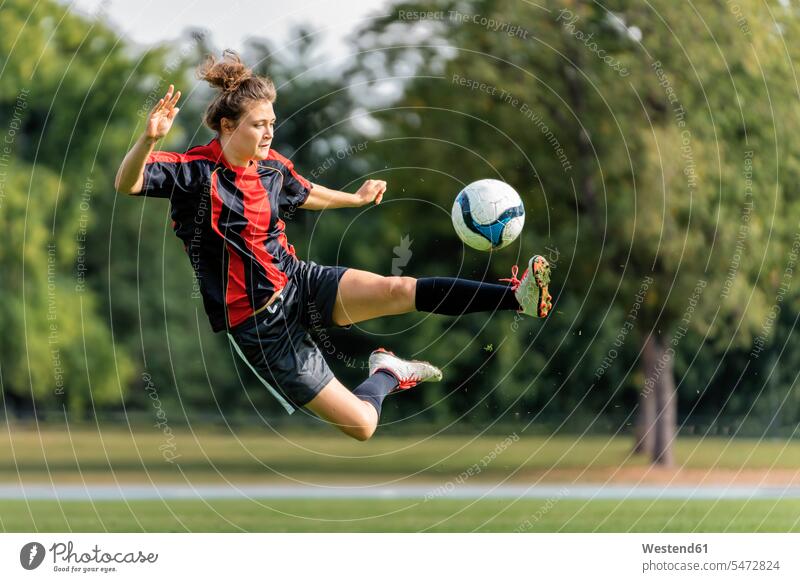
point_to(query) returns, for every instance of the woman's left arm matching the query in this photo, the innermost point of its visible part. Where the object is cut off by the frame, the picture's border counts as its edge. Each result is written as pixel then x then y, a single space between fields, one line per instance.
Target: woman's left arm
pixel 322 198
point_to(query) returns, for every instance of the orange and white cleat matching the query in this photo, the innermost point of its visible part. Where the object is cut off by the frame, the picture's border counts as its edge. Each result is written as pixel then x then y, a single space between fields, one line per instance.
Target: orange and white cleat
pixel 409 373
pixel 532 290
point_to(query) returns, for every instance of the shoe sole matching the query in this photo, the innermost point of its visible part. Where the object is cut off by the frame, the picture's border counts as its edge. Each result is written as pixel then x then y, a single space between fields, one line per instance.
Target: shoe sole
pixel 541 275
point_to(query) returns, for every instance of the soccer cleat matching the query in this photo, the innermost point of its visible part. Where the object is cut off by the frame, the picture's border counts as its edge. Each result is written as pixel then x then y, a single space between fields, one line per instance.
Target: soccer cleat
pixel 532 290
pixel 409 373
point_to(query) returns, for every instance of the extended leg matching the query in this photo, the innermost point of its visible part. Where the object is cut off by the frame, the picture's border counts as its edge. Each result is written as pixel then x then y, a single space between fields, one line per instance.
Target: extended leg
pixel 363 295
pixel 529 295
pixel 449 296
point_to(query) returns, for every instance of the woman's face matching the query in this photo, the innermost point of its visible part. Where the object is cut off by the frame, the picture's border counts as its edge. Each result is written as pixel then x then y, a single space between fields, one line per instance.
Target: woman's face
pixel 251 138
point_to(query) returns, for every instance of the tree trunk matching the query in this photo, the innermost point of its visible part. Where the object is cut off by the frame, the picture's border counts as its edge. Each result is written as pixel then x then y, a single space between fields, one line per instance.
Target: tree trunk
pixel 666 409
pixel 658 404
pixel 645 419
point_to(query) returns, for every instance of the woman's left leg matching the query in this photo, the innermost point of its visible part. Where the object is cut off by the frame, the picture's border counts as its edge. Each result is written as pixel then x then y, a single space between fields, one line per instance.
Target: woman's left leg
pixel 362 295
pixel 356 417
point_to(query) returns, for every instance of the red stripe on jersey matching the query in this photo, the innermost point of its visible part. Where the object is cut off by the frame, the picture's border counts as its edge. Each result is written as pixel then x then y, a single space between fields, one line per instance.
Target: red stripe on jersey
pixel 236 301
pixel 290 166
pixel 281 226
pixel 258 213
pixel 174 158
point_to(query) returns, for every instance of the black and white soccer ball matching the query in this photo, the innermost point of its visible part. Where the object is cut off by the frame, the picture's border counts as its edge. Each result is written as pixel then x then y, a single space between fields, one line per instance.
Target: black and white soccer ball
pixel 488 215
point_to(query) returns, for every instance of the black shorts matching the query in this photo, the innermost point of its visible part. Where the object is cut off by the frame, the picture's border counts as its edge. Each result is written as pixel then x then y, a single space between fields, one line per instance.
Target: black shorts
pixel 276 342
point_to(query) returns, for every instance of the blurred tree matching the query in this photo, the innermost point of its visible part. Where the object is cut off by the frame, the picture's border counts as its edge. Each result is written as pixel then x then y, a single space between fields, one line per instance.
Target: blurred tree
pixel 55 107
pixel 655 153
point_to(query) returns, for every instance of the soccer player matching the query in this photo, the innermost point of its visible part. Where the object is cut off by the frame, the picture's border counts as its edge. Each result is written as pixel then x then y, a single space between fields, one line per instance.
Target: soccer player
pixel 227 198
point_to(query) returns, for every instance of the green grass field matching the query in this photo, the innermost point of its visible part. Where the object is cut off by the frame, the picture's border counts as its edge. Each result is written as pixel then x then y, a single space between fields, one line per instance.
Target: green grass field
pixel 497 515
pixel 110 454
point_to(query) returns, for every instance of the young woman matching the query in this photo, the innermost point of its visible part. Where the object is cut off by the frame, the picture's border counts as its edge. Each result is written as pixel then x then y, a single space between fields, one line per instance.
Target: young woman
pixel 227 199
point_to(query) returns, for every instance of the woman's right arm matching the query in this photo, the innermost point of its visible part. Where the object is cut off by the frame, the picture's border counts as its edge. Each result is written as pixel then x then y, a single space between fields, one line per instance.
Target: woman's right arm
pixel 130 176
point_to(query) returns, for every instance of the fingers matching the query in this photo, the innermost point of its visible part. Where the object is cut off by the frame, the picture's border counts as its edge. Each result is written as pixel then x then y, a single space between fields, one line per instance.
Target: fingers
pixel 376 189
pixel 157 107
pixel 168 102
pixel 175 99
pixel 172 111
pixel 379 185
pixel 171 100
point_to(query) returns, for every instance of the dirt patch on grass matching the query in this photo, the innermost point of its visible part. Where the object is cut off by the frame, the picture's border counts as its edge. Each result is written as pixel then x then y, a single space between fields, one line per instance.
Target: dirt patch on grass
pixel 660 476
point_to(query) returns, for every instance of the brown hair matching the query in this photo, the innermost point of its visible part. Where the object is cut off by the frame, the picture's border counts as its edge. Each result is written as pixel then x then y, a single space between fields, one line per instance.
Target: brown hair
pixel 239 87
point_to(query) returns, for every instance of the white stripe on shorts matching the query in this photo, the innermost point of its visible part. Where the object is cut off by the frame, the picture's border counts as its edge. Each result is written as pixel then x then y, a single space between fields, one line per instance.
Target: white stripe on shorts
pixel 289 408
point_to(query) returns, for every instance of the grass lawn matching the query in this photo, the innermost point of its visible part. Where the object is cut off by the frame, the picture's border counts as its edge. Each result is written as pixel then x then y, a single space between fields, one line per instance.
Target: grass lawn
pixel 107 454
pixel 121 453
pixel 530 515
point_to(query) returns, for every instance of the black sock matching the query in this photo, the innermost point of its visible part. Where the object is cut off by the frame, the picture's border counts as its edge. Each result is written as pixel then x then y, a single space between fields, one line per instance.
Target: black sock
pixel 375 388
pixel 449 296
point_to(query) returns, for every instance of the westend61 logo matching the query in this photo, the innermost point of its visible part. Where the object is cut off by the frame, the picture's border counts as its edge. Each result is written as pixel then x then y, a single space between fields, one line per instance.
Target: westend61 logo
pixel 66 559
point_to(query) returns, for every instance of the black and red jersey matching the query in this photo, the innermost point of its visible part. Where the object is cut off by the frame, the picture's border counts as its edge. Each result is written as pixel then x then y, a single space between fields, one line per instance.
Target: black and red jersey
pixel 229 219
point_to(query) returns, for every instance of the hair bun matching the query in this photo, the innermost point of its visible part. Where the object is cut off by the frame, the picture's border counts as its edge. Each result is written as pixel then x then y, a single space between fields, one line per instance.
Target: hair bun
pixel 226 74
pixel 238 86
pixel 230 84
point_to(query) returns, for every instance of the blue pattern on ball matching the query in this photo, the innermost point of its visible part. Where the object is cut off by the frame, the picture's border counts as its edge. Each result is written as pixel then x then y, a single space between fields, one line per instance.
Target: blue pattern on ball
pixel 492 232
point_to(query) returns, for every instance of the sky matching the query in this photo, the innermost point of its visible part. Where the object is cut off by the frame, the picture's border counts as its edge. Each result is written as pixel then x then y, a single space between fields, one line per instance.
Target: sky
pixel 231 22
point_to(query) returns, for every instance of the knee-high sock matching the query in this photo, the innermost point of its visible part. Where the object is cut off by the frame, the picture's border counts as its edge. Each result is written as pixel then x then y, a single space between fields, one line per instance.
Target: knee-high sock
pixel 375 388
pixel 449 296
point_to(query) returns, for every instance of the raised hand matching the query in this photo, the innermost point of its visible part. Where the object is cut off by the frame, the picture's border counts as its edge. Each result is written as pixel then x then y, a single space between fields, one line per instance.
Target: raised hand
pixel 162 115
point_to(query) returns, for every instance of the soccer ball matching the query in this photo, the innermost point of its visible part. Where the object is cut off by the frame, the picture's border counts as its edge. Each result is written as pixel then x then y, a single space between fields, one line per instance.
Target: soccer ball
pixel 488 215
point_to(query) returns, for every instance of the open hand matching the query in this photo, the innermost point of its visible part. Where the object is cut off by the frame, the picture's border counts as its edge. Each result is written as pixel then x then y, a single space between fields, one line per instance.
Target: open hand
pixel 162 115
pixel 371 191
